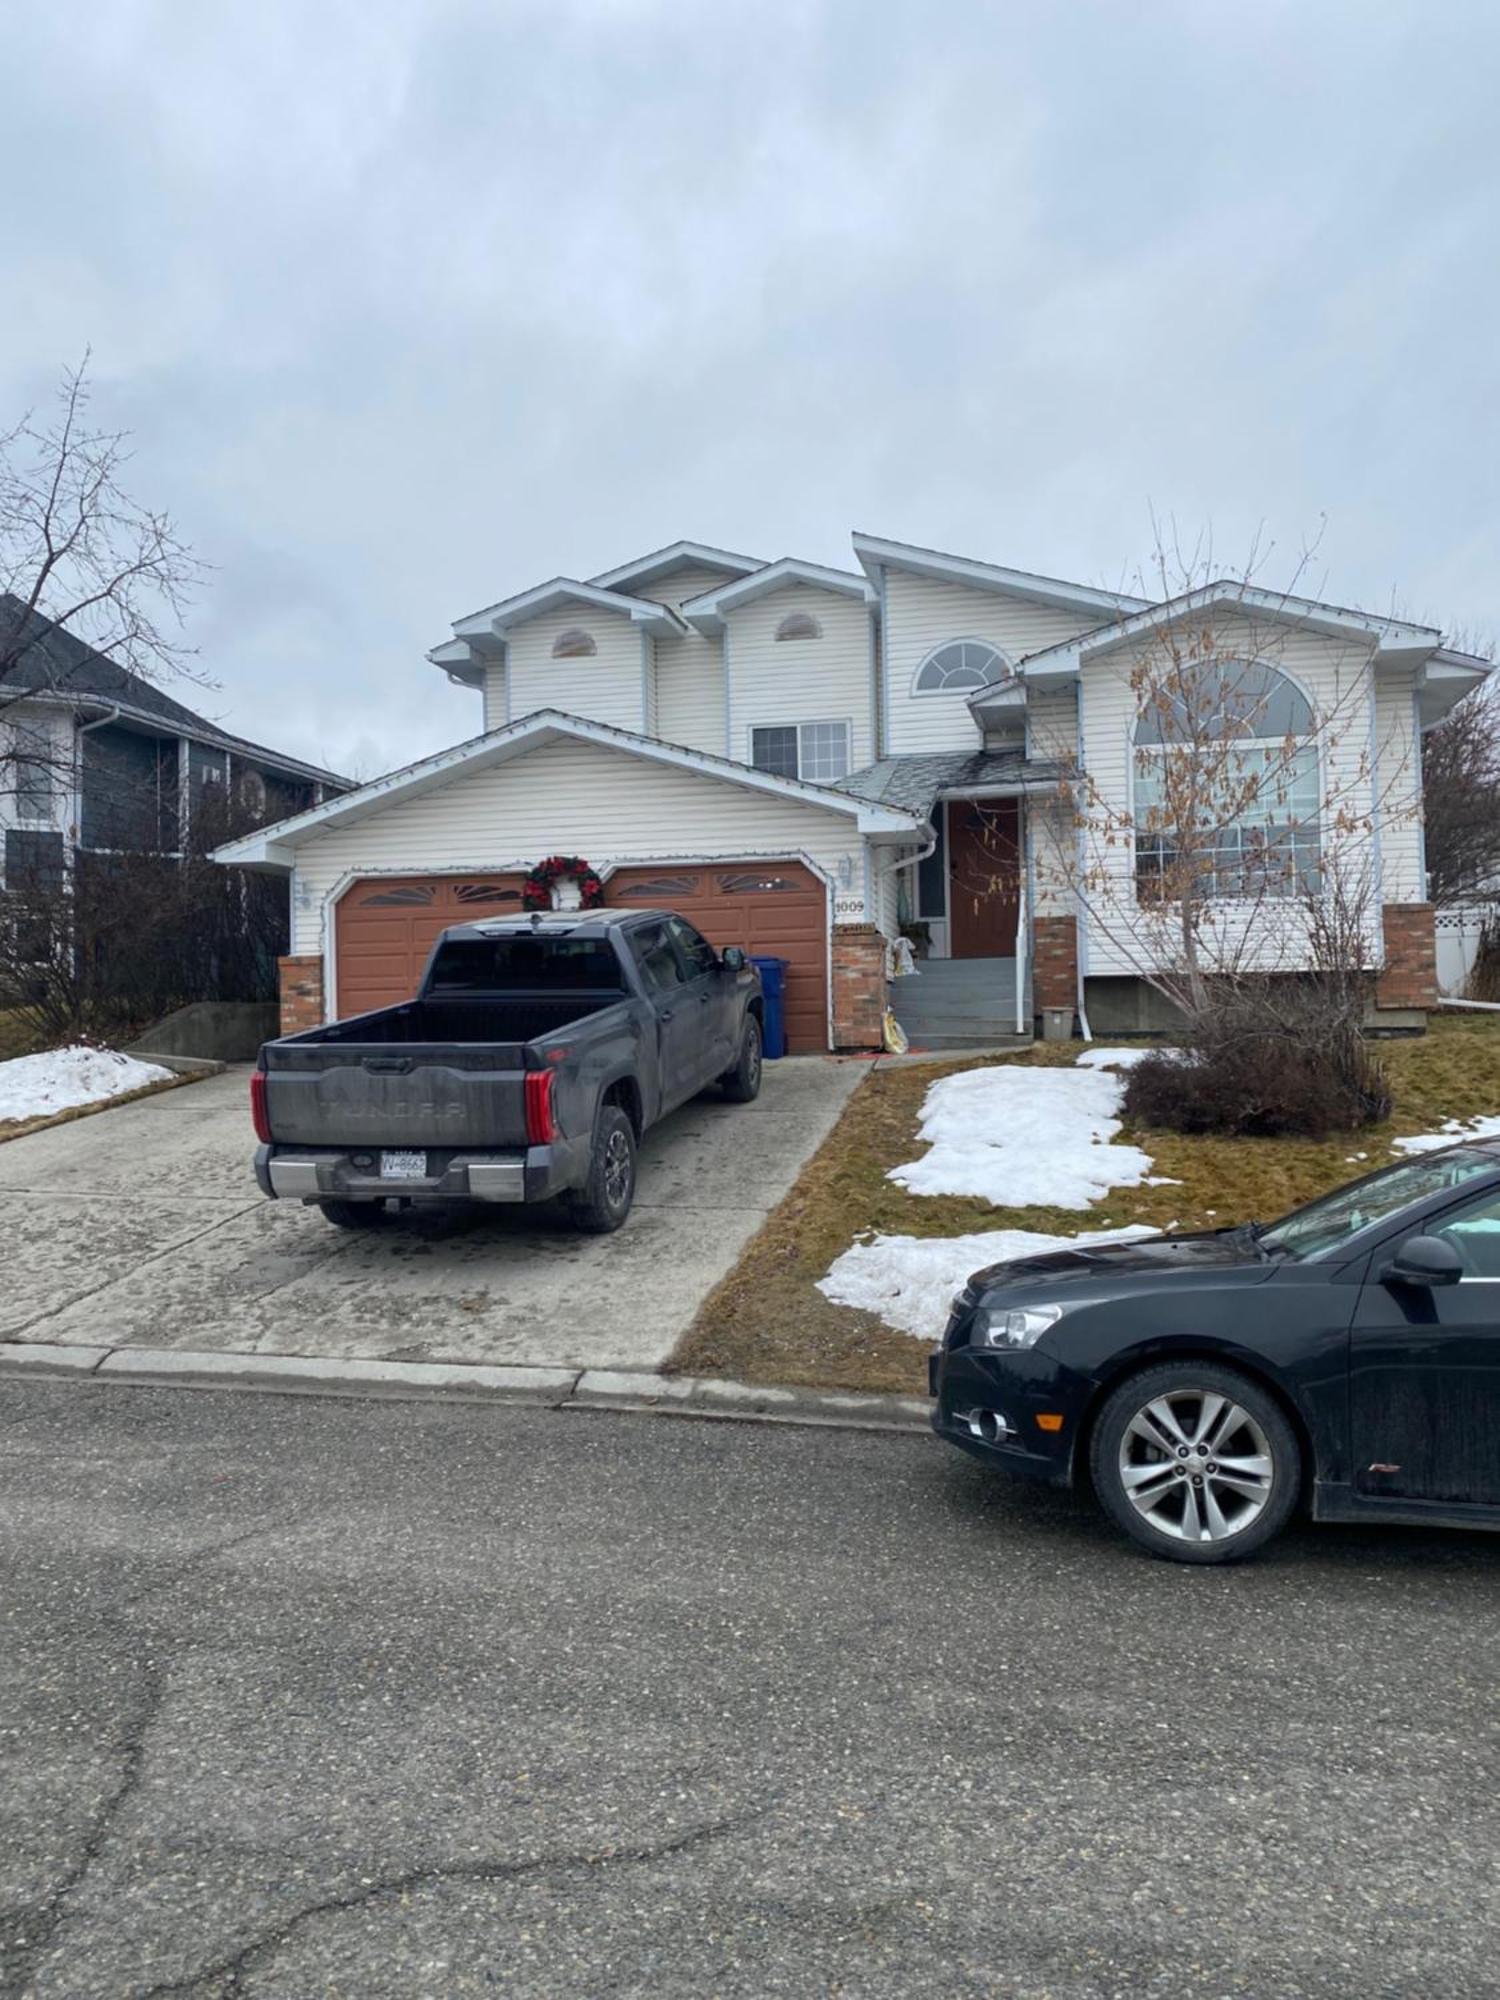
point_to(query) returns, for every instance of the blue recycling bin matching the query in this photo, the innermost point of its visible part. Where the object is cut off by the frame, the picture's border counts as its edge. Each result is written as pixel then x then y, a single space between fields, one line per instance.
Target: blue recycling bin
pixel 773 984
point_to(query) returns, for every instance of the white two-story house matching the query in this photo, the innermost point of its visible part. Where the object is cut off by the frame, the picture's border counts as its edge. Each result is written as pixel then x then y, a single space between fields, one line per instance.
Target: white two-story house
pixel 810 761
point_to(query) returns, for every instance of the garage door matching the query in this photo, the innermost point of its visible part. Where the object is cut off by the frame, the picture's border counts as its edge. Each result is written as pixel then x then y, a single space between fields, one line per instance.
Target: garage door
pixel 386 926
pixel 774 908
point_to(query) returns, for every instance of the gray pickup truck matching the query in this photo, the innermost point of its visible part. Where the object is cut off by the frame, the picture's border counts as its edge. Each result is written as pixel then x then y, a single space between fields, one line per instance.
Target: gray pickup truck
pixel 536 1053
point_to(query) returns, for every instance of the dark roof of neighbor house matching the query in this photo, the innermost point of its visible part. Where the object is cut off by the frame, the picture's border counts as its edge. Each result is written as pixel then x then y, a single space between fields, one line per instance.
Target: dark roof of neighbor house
pixel 57 662
pixel 914 783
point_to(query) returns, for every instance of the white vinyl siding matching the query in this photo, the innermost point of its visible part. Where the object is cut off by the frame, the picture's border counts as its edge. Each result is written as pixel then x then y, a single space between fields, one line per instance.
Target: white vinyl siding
pixel 496 707
pixel 1052 737
pixel 690 669
pixel 1398 788
pixel 571 798
pixel 921 614
pixel 774 683
pixel 1334 674
pixel 603 688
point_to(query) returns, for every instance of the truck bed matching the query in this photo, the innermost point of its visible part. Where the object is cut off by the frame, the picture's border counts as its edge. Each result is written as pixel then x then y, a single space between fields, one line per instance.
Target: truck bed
pixel 428 1073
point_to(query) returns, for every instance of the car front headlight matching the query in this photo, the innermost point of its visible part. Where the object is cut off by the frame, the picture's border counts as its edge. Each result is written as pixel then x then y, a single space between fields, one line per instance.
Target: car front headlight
pixel 1013 1326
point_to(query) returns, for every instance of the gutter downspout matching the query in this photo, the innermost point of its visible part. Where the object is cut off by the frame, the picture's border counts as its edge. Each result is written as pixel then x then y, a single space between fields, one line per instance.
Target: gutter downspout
pixel 83 728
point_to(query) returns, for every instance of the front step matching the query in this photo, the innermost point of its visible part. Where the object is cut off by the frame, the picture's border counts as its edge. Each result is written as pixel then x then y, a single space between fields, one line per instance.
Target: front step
pixel 959 1003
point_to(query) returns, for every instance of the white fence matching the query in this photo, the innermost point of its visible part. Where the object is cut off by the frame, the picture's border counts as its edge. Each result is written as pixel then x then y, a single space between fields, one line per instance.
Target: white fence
pixel 1458 933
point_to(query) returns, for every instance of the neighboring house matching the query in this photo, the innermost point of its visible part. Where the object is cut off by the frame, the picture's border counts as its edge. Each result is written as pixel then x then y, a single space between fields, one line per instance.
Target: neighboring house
pixel 95 759
pixel 806 760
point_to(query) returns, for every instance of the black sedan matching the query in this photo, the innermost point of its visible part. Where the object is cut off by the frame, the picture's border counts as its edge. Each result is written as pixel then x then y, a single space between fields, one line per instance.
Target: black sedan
pixel 1347 1357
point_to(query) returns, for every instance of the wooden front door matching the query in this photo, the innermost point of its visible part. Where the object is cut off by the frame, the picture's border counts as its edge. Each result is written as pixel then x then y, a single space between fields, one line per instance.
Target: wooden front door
pixel 984 877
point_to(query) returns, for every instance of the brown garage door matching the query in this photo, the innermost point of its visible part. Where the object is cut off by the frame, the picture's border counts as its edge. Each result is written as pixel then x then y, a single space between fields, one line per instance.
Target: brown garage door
pixel 386 926
pixel 773 908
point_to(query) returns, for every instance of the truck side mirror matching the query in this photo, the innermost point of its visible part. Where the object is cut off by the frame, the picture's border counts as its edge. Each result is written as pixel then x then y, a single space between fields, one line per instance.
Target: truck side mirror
pixel 732 958
pixel 1424 1260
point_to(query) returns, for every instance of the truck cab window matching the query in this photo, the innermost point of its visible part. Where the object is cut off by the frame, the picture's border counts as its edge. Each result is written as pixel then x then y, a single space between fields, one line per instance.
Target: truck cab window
pixel 661 968
pixel 696 949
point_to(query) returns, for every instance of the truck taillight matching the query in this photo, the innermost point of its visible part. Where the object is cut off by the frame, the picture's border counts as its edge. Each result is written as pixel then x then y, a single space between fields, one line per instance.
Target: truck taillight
pixel 541 1126
pixel 258 1115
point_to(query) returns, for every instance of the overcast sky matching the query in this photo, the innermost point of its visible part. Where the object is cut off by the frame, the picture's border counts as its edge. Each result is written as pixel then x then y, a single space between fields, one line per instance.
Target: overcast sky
pixel 410 306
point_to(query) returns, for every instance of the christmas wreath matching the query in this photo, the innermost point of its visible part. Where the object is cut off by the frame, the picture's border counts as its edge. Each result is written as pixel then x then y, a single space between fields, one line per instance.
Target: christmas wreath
pixel 536 890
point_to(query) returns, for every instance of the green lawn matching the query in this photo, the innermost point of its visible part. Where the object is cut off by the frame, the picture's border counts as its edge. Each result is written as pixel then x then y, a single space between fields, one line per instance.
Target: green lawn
pixel 767 1323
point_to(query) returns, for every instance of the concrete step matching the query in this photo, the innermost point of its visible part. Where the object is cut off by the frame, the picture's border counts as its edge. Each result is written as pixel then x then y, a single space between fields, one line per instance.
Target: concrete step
pixel 935 1044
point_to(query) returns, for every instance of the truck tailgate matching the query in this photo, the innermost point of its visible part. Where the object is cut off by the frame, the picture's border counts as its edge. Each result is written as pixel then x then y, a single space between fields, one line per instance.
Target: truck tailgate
pixel 372 1096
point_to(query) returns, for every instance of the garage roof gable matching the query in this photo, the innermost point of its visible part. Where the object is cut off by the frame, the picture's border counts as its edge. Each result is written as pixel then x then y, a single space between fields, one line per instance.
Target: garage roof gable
pixel 274 847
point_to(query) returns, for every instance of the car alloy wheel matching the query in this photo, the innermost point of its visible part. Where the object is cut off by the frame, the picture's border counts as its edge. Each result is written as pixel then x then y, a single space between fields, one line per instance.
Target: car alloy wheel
pixel 1196 1465
pixel 1196 1461
pixel 616 1168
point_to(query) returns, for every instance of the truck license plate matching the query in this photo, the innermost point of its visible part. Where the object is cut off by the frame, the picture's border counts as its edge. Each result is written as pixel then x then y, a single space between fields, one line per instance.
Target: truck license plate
pixel 403 1166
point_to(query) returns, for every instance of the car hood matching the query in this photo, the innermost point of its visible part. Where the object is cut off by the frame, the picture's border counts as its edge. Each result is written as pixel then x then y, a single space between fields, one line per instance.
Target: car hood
pixel 1156 1256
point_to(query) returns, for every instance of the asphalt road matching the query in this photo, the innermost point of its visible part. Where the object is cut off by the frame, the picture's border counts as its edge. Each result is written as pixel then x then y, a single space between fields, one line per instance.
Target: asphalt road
pixel 316 1697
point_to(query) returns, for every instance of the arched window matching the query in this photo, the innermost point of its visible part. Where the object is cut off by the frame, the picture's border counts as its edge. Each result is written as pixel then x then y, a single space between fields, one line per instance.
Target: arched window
pixel 799 625
pixel 574 644
pixel 1226 784
pixel 962 663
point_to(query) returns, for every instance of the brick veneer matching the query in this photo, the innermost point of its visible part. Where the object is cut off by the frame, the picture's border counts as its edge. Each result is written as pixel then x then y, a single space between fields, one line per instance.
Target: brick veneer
pixel 858 987
pixel 1055 962
pixel 1410 975
pixel 301 993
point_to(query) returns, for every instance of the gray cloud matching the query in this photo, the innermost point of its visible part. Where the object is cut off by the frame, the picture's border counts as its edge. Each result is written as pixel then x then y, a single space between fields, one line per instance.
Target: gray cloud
pixel 412 305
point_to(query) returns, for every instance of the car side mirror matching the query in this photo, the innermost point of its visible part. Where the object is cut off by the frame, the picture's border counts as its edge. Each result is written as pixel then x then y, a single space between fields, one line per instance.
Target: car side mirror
pixel 1424 1260
pixel 732 958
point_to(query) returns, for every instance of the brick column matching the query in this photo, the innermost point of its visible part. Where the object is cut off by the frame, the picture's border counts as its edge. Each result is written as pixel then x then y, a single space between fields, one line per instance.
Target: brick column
pixel 301 993
pixel 1054 972
pixel 1410 975
pixel 858 987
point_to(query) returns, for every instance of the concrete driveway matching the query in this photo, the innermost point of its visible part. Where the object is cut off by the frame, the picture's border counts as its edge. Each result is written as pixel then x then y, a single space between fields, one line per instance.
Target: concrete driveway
pixel 143 1227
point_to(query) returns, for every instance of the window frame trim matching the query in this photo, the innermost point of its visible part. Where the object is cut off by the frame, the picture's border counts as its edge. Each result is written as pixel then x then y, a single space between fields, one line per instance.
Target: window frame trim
pixel 844 722
pixel 1312 741
pixel 918 693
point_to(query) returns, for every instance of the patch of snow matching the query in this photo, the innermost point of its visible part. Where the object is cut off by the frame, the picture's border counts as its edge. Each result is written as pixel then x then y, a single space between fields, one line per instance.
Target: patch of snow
pixel 61 1079
pixel 1453 1130
pixel 1096 1058
pixel 910 1280
pixel 1024 1138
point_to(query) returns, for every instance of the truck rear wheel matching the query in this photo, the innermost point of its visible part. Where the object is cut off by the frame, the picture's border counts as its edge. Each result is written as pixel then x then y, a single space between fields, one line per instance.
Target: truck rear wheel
pixel 354 1214
pixel 604 1200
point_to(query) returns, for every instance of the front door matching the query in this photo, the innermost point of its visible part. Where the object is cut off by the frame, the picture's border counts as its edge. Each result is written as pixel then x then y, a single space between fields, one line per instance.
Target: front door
pixel 984 877
pixel 1424 1400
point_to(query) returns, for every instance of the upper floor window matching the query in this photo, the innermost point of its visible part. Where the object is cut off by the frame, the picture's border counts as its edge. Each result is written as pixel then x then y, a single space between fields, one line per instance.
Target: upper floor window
pixel 799 625
pixel 32 774
pixel 1226 784
pixel 962 663
pixel 815 752
pixel 574 644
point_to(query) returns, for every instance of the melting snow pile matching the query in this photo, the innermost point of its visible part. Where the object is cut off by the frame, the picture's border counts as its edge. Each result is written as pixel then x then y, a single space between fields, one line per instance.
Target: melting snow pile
pixel 910 1280
pixel 59 1079
pixel 1452 1132
pixel 1026 1138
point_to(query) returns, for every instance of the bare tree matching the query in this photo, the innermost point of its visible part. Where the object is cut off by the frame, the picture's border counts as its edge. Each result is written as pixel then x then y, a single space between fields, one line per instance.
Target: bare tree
pixel 1461 790
pixel 83 565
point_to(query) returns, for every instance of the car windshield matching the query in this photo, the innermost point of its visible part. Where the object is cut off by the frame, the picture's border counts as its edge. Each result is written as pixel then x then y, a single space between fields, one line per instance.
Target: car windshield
pixel 1327 1222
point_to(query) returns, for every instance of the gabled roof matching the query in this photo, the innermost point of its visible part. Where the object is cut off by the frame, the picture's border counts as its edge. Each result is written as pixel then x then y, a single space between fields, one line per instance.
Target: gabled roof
pixel 875 554
pixel 677 555
pixel 1394 641
pixel 481 635
pixel 275 846
pixel 58 666
pixel 708 611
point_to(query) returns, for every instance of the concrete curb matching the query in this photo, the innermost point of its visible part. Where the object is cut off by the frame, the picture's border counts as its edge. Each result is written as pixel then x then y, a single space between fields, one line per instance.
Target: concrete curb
pixel 553 1388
